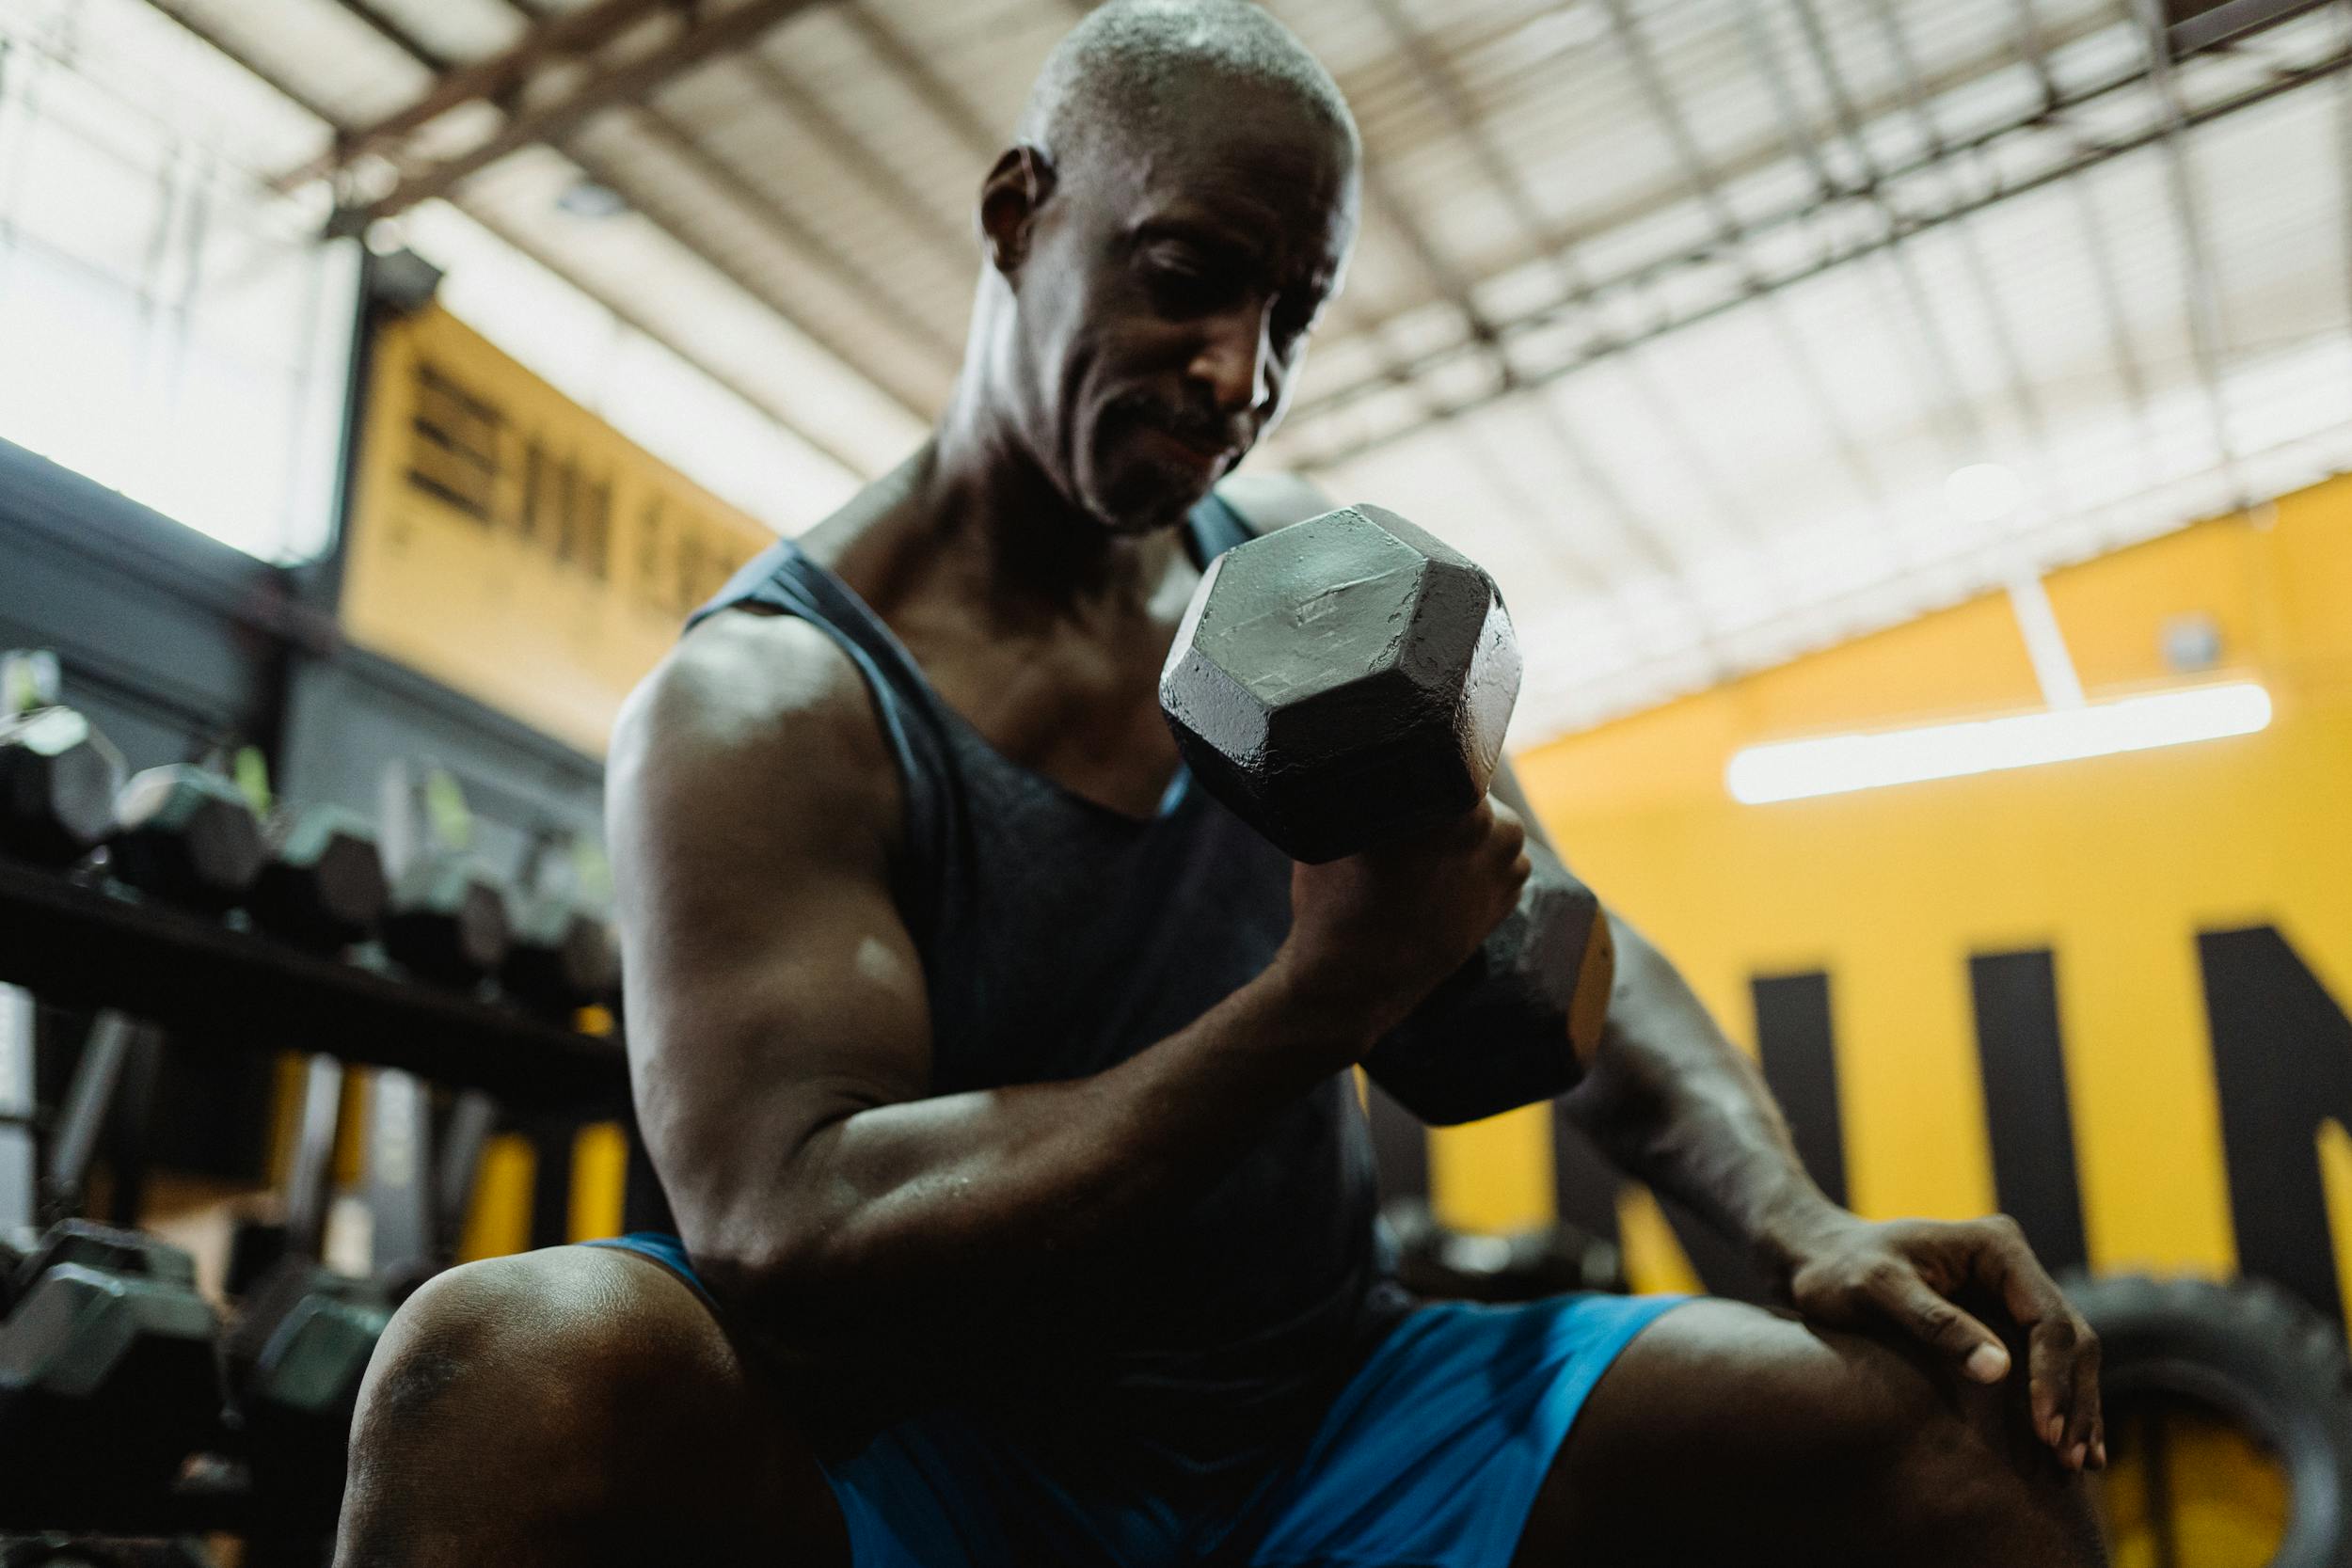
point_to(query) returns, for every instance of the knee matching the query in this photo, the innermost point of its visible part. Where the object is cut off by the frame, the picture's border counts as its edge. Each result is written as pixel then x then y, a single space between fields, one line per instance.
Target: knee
pixel 512 1373
pixel 1960 1464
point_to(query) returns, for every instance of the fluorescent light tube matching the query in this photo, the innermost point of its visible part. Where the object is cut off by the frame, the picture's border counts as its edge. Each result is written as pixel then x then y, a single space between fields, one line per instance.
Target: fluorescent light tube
pixel 1792 769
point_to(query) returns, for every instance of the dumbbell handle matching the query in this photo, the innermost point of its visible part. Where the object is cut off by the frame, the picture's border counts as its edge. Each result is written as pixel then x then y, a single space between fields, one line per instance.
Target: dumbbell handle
pixel 1516 1023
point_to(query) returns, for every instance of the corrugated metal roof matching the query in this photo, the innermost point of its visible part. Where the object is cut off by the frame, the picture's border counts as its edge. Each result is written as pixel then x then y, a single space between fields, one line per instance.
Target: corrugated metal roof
pixel 1678 313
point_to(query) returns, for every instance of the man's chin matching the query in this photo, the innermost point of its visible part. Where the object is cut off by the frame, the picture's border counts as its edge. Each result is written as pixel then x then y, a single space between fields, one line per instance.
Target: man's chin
pixel 1147 500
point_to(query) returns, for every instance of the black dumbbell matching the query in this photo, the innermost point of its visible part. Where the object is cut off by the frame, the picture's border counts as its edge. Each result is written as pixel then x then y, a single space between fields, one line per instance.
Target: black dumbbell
pixel 1347 680
pixel 187 837
pixel 563 956
pixel 448 920
pixel 323 886
pixel 58 782
pixel 110 1367
pixel 1440 1263
pixel 296 1353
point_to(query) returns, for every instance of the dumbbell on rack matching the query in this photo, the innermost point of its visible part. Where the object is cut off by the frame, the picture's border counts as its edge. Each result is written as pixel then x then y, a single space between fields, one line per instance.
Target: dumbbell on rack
pixel 110 1374
pixel 295 1353
pixel 58 782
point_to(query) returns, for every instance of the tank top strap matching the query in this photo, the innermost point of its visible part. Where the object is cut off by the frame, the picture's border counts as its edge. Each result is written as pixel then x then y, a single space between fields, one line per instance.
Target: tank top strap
pixel 1216 527
pixel 786 579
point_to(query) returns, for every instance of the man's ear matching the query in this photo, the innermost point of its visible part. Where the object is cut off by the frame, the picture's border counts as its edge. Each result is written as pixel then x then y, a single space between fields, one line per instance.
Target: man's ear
pixel 1011 197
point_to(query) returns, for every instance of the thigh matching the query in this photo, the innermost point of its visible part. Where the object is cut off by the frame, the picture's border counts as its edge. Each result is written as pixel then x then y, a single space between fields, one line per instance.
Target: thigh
pixel 1729 1434
pixel 1436 1448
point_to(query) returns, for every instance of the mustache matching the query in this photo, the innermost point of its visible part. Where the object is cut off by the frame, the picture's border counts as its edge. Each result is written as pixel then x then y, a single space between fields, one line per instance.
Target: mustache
pixel 1194 426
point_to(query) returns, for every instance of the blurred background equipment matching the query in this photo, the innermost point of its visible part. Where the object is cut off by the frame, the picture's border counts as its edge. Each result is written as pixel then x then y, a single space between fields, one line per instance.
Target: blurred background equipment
pixel 1911 438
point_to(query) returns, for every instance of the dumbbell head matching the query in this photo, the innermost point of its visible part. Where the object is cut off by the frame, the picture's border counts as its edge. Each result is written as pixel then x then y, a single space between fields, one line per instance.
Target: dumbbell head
pixel 188 836
pixel 1517 1023
pixel 563 956
pixel 448 920
pixel 110 1365
pixel 324 884
pixel 57 783
pixel 1341 681
pixel 297 1354
pixel 105 1248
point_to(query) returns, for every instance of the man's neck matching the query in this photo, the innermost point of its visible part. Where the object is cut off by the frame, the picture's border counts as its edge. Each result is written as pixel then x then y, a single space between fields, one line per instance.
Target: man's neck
pixel 1007 536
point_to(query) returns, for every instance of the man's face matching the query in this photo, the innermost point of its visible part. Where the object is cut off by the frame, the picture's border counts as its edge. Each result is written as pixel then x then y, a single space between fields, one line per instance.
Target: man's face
pixel 1164 301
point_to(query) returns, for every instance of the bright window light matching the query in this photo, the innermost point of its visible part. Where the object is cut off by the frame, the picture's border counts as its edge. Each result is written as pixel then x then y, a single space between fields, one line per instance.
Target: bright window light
pixel 1792 769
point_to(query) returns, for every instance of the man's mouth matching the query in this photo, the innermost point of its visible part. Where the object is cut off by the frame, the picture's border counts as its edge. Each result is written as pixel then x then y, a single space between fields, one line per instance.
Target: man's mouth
pixel 1204 448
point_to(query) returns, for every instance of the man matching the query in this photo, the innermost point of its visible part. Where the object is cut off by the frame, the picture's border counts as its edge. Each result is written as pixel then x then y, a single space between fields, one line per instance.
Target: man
pixel 998 1078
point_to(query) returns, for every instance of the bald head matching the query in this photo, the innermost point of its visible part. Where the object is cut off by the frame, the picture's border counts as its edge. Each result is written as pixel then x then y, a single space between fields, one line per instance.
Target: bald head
pixel 1179 204
pixel 1134 70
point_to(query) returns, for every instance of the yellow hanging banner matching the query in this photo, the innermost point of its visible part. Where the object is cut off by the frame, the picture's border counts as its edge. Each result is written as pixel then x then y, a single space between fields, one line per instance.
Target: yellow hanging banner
pixel 506 542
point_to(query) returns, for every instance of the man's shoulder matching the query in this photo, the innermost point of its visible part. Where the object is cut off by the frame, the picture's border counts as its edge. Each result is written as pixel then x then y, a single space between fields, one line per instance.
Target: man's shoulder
pixel 743 690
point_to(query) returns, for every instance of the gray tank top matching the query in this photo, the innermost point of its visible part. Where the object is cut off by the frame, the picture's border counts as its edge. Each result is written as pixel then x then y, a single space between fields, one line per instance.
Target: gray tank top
pixel 1059 937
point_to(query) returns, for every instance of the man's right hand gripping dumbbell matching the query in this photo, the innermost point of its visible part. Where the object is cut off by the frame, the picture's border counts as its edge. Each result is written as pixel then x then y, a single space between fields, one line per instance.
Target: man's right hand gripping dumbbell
pixel 1343 685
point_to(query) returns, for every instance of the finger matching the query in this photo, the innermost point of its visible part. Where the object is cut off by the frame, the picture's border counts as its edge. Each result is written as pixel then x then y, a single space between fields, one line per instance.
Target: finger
pixel 2082 1424
pixel 1906 1298
pixel 1454 834
pixel 1510 834
pixel 2002 1262
pixel 2050 1380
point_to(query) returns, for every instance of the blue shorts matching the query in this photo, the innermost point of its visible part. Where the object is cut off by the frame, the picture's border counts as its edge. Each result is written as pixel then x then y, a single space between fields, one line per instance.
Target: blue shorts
pixel 1431 1457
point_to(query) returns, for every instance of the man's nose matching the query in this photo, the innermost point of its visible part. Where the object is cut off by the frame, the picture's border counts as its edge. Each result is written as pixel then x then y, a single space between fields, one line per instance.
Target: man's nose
pixel 1236 360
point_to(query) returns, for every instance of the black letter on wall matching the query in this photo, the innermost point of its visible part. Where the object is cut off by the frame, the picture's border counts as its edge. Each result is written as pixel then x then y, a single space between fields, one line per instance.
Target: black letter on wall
pixel 2282 1060
pixel 2025 1107
pixel 1800 1056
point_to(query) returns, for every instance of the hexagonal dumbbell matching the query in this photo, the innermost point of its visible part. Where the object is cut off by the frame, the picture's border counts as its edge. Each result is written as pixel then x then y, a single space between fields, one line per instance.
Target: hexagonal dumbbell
pixel 1341 681
pixel 188 836
pixel 449 921
pixel 295 1353
pixel 324 886
pixel 58 782
pixel 563 956
pixel 109 1366
pixel 1347 680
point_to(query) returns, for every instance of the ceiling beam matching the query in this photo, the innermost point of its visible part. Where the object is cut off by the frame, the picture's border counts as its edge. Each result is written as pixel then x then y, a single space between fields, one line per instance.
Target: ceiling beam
pixel 392 32
pixel 699 39
pixel 1713 249
pixel 662 130
pixel 621 309
pixel 1438 81
pixel 1949 404
pixel 885 184
pixel 655 207
pixel 628 316
pixel 498 80
pixel 2207 333
pixel 2096 250
pixel 935 91
pixel 2090 156
pixel 1964 232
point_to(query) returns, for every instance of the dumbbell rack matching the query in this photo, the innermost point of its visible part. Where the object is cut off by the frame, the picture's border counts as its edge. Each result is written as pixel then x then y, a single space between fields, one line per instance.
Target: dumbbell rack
pixel 209 985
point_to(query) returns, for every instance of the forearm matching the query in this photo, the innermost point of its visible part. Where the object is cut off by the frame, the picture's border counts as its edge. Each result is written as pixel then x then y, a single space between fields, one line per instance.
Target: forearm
pixel 974 1201
pixel 1676 1104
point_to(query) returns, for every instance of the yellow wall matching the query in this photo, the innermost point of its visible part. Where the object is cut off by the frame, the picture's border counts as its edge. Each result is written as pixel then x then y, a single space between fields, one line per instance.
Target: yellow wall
pixel 510 543
pixel 2114 863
